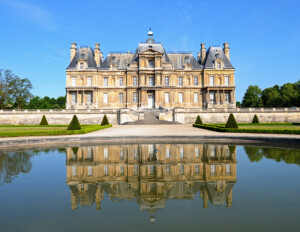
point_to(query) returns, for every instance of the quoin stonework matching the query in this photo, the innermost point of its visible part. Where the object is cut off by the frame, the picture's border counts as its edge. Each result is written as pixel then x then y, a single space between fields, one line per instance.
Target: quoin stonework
pixel 150 77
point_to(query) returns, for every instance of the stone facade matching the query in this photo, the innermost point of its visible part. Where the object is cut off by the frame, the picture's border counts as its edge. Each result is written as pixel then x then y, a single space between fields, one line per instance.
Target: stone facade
pixel 150 77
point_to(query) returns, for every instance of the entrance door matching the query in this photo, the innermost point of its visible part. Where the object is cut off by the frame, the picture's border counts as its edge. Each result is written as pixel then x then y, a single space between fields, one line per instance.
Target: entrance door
pixel 150 101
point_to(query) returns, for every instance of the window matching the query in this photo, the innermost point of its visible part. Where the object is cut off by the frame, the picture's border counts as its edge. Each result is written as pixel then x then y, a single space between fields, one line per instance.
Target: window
pixel 122 170
pixel 197 169
pixel 105 97
pixel 105 81
pixel 74 98
pixel 134 97
pixel 121 154
pixel 121 97
pixel 106 153
pixel 195 97
pixel 151 63
pixel 89 81
pixel 106 170
pixel 219 65
pixel 226 80
pixel 168 169
pixel 113 59
pixel 167 97
pixel 212 97
pixel 81 65
pixel 89 153
pixel 74 170
pixel 90 171
pixel 135 170
pixel 213 152
pixel 181 153
pixel 186 59
pixel 166 81
pixel 213 170
pixel 180 97
pixel 89 98
pixel 121 81
pixel 211 80
pixel 134 81
pixel 167 153
pixel 181 169
pixel 180 81
pixel 135 153
pixel 152 169
pixel 73 81
pixel 226 97
pixel 228 171
pixel 195 81
pixel 196 152
pixel 151 81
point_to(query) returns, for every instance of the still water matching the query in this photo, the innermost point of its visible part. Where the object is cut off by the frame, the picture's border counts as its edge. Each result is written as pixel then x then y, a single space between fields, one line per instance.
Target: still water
pixel 150 187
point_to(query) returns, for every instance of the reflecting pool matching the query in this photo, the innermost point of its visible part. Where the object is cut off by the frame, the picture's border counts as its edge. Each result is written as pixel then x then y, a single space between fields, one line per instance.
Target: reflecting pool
pixel 150 187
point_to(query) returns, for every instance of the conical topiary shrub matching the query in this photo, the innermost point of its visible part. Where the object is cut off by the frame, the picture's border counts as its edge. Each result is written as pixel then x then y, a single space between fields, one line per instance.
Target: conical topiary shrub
pixel 74 124
pixel 198 121
pixel 255 119
pixel 44 121
pixel 104 121
pixel 231 123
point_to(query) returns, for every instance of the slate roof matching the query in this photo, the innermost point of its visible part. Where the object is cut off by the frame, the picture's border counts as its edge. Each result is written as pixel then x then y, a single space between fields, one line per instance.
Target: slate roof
pixel 85 53
pixel 211 54
pixel 121 60
pixel 179 60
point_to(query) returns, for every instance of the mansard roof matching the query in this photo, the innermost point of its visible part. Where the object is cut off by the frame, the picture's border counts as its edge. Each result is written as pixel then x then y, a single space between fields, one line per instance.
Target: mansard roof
pixel 120 60
pixel 86 54
pixel 179 60
pixel 213 53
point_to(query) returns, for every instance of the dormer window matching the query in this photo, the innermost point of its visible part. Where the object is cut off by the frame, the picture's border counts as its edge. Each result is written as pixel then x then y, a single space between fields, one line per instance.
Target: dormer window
pixel 81 66
pixel 113 59
pixel 82 55
pixel 219 65
pixel 186 59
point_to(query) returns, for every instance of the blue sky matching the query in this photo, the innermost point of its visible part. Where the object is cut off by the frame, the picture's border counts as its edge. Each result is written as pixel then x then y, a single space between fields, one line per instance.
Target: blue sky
pixel 264 35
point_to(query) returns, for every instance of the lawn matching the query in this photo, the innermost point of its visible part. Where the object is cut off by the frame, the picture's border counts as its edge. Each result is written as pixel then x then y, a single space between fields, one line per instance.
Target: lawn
pixel 271 128
pixel 36 130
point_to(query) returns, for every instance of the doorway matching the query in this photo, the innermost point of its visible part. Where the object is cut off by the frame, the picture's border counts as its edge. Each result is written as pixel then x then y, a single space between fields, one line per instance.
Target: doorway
pixel 150 100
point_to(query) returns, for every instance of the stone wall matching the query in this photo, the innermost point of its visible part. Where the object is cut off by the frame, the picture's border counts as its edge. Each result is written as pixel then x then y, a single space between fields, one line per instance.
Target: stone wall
pixel 120 116
pixel 242 115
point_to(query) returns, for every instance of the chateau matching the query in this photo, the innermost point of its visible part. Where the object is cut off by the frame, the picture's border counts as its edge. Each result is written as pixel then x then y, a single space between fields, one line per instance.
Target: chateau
pixel 150 77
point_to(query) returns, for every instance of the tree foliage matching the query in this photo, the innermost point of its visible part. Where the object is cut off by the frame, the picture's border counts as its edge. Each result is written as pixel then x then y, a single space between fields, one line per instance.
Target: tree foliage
pixel 287 95
pixel 198 120
pixel 255 119
pixel 46 103
pixel 74 124
pixel 252 97
pixel 44 121
pixel 231 122
pixel 104 121
pixel 14 91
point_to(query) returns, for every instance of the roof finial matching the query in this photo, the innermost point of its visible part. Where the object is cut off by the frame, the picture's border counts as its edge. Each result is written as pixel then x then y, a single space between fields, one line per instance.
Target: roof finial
pixel 150 33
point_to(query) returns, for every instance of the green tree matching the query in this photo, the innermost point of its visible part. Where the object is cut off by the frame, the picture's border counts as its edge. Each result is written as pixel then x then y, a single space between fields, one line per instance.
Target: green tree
pixel 61 101
pixel 252 97
pixel 231 122
pixel 271 97
pixel 238 104
pixel 289 95
pixel 255 119
pixel 198 120
pixel 74 124
pixel 44 121
pixel 104 121
pixel 21 92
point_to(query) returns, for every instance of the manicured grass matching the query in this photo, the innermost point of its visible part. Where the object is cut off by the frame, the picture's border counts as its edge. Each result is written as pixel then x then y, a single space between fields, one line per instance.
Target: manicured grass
pixel 37 130
pixel 271 128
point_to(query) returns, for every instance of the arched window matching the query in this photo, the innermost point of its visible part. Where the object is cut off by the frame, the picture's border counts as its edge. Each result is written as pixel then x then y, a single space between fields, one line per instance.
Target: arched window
pixel 219 65
pixel 81 65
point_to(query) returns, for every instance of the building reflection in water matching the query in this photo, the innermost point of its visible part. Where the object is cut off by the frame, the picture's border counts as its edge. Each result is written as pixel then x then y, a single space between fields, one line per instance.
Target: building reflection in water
pixel 151 174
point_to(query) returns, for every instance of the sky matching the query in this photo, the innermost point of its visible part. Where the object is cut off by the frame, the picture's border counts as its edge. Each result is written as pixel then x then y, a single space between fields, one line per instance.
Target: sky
pixel 263 36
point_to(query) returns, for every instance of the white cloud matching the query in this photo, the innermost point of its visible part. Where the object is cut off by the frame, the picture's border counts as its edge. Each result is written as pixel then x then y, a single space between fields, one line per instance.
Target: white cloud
pixel 31 12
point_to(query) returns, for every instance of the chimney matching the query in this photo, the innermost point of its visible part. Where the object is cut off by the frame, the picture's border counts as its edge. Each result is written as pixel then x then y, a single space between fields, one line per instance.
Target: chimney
pixel 97 54
pixel 73 50
pixel 203 53
pixel 227 50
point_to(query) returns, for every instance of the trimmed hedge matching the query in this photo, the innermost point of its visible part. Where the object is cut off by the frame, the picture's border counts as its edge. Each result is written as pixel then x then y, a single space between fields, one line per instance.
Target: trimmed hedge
pixel 237 130
pixel 255 119
pixel 198 120
pixel 104 121
pixel 231 122
pixel 85 129
pixel 44 121
pixel 74 124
